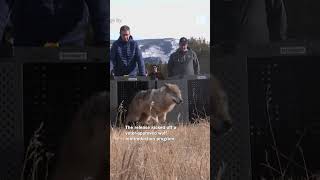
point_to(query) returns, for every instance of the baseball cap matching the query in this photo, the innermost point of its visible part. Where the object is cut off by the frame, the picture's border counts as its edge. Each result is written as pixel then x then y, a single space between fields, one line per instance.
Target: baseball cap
pixel 183 40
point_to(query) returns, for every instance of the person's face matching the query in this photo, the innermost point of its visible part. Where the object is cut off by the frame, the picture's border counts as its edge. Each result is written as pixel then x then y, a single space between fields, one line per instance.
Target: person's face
pixel 125 35
pixel 183 47
pixel 155 69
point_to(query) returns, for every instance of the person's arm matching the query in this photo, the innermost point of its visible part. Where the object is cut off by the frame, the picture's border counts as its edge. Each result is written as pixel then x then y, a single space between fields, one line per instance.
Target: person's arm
pixel 170 66
pixel 4 15
pixel 140 61
pixel 196 65
pixel 277 19
pixel 99 17
pixel 112 58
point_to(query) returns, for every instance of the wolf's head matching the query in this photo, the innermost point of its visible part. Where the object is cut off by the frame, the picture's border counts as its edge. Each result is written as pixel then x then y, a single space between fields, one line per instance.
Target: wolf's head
pixel 220 109
pixel 173 92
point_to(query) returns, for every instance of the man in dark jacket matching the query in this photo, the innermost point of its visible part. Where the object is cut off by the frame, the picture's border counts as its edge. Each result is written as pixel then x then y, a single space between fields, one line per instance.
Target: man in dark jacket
pixel 249 21
pixel 184 61
pixel 125 56
pixel 63 22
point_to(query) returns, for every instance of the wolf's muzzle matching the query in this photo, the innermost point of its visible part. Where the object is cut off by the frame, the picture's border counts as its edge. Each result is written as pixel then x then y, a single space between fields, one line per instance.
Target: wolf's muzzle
pixel 177 101
pixel 222 127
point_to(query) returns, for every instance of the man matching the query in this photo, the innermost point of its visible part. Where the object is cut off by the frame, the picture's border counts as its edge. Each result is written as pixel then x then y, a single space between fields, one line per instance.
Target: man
pixel 61 22
pixel 155 74
pixel 250 21
pixel 184 61
pixel 125 56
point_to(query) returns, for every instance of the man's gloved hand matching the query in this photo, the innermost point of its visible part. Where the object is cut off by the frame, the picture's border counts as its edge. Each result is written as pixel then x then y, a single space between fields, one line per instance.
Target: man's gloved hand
pixel 112 74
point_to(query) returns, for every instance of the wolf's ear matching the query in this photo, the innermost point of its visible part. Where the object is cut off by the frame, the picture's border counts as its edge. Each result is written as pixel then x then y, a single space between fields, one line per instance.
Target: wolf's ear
pixel 166 85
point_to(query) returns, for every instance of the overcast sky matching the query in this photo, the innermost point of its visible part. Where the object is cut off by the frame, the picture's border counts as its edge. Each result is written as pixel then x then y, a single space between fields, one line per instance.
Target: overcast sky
pixel 152 19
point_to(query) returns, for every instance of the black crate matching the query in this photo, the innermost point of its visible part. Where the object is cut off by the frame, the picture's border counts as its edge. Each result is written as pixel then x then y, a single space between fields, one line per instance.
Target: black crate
pixel 284 98
pixel 198 99
pixel 43 86
pixel 128 89
pixel 11 128
pixel 233 149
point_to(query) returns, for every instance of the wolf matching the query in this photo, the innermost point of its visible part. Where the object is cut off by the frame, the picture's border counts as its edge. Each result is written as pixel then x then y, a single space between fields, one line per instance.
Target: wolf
pixel 220 114
pixel 83 153
pixel 151 106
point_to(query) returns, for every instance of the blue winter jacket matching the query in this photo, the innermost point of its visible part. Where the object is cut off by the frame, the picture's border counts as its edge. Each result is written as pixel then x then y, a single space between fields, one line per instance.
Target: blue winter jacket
pixel 126 58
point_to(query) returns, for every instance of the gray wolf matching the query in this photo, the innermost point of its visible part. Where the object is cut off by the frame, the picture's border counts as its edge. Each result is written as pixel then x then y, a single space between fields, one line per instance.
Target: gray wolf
pixel 151 106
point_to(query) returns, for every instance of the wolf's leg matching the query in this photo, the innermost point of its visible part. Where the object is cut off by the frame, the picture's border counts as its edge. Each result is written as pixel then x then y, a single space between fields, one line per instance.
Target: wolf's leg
pixel 149 121
pixel 132 117
pixel 155 119
pixel 145 118
pixel 162 118
pixel 154 116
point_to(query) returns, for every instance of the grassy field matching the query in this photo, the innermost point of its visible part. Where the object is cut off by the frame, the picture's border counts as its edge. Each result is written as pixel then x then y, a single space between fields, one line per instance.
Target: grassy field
pixel 170 154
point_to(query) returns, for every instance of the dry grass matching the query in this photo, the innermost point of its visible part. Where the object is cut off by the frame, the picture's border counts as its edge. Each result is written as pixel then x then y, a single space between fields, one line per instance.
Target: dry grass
pixel 186 157
pixel 36 156
pixel 281 171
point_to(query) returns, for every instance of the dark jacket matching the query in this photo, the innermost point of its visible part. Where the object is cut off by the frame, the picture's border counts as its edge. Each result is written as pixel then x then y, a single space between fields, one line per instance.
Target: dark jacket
pixel 155 76
pixel 250 21
pixel 183 63
pixel 36 22
pixel 125 57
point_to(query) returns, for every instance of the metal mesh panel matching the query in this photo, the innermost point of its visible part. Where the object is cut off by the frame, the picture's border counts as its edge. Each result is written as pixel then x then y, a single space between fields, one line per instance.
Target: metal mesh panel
pixel 44 91
pixel 198 98
pixel 10 122
pixel 128 89
pixel 113 101
pixel 123 92
pixel 53 93
pixel 282 90
pixel 233 149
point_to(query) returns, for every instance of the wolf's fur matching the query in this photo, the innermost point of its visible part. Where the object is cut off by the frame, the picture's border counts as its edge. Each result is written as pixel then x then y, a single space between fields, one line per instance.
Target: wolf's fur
pixel 83 154
pixel 151 106
pixel 220 114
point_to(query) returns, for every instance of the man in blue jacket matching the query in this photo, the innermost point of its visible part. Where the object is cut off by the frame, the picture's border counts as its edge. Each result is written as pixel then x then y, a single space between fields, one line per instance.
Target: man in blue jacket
pixel 63 22
pixel 125 56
